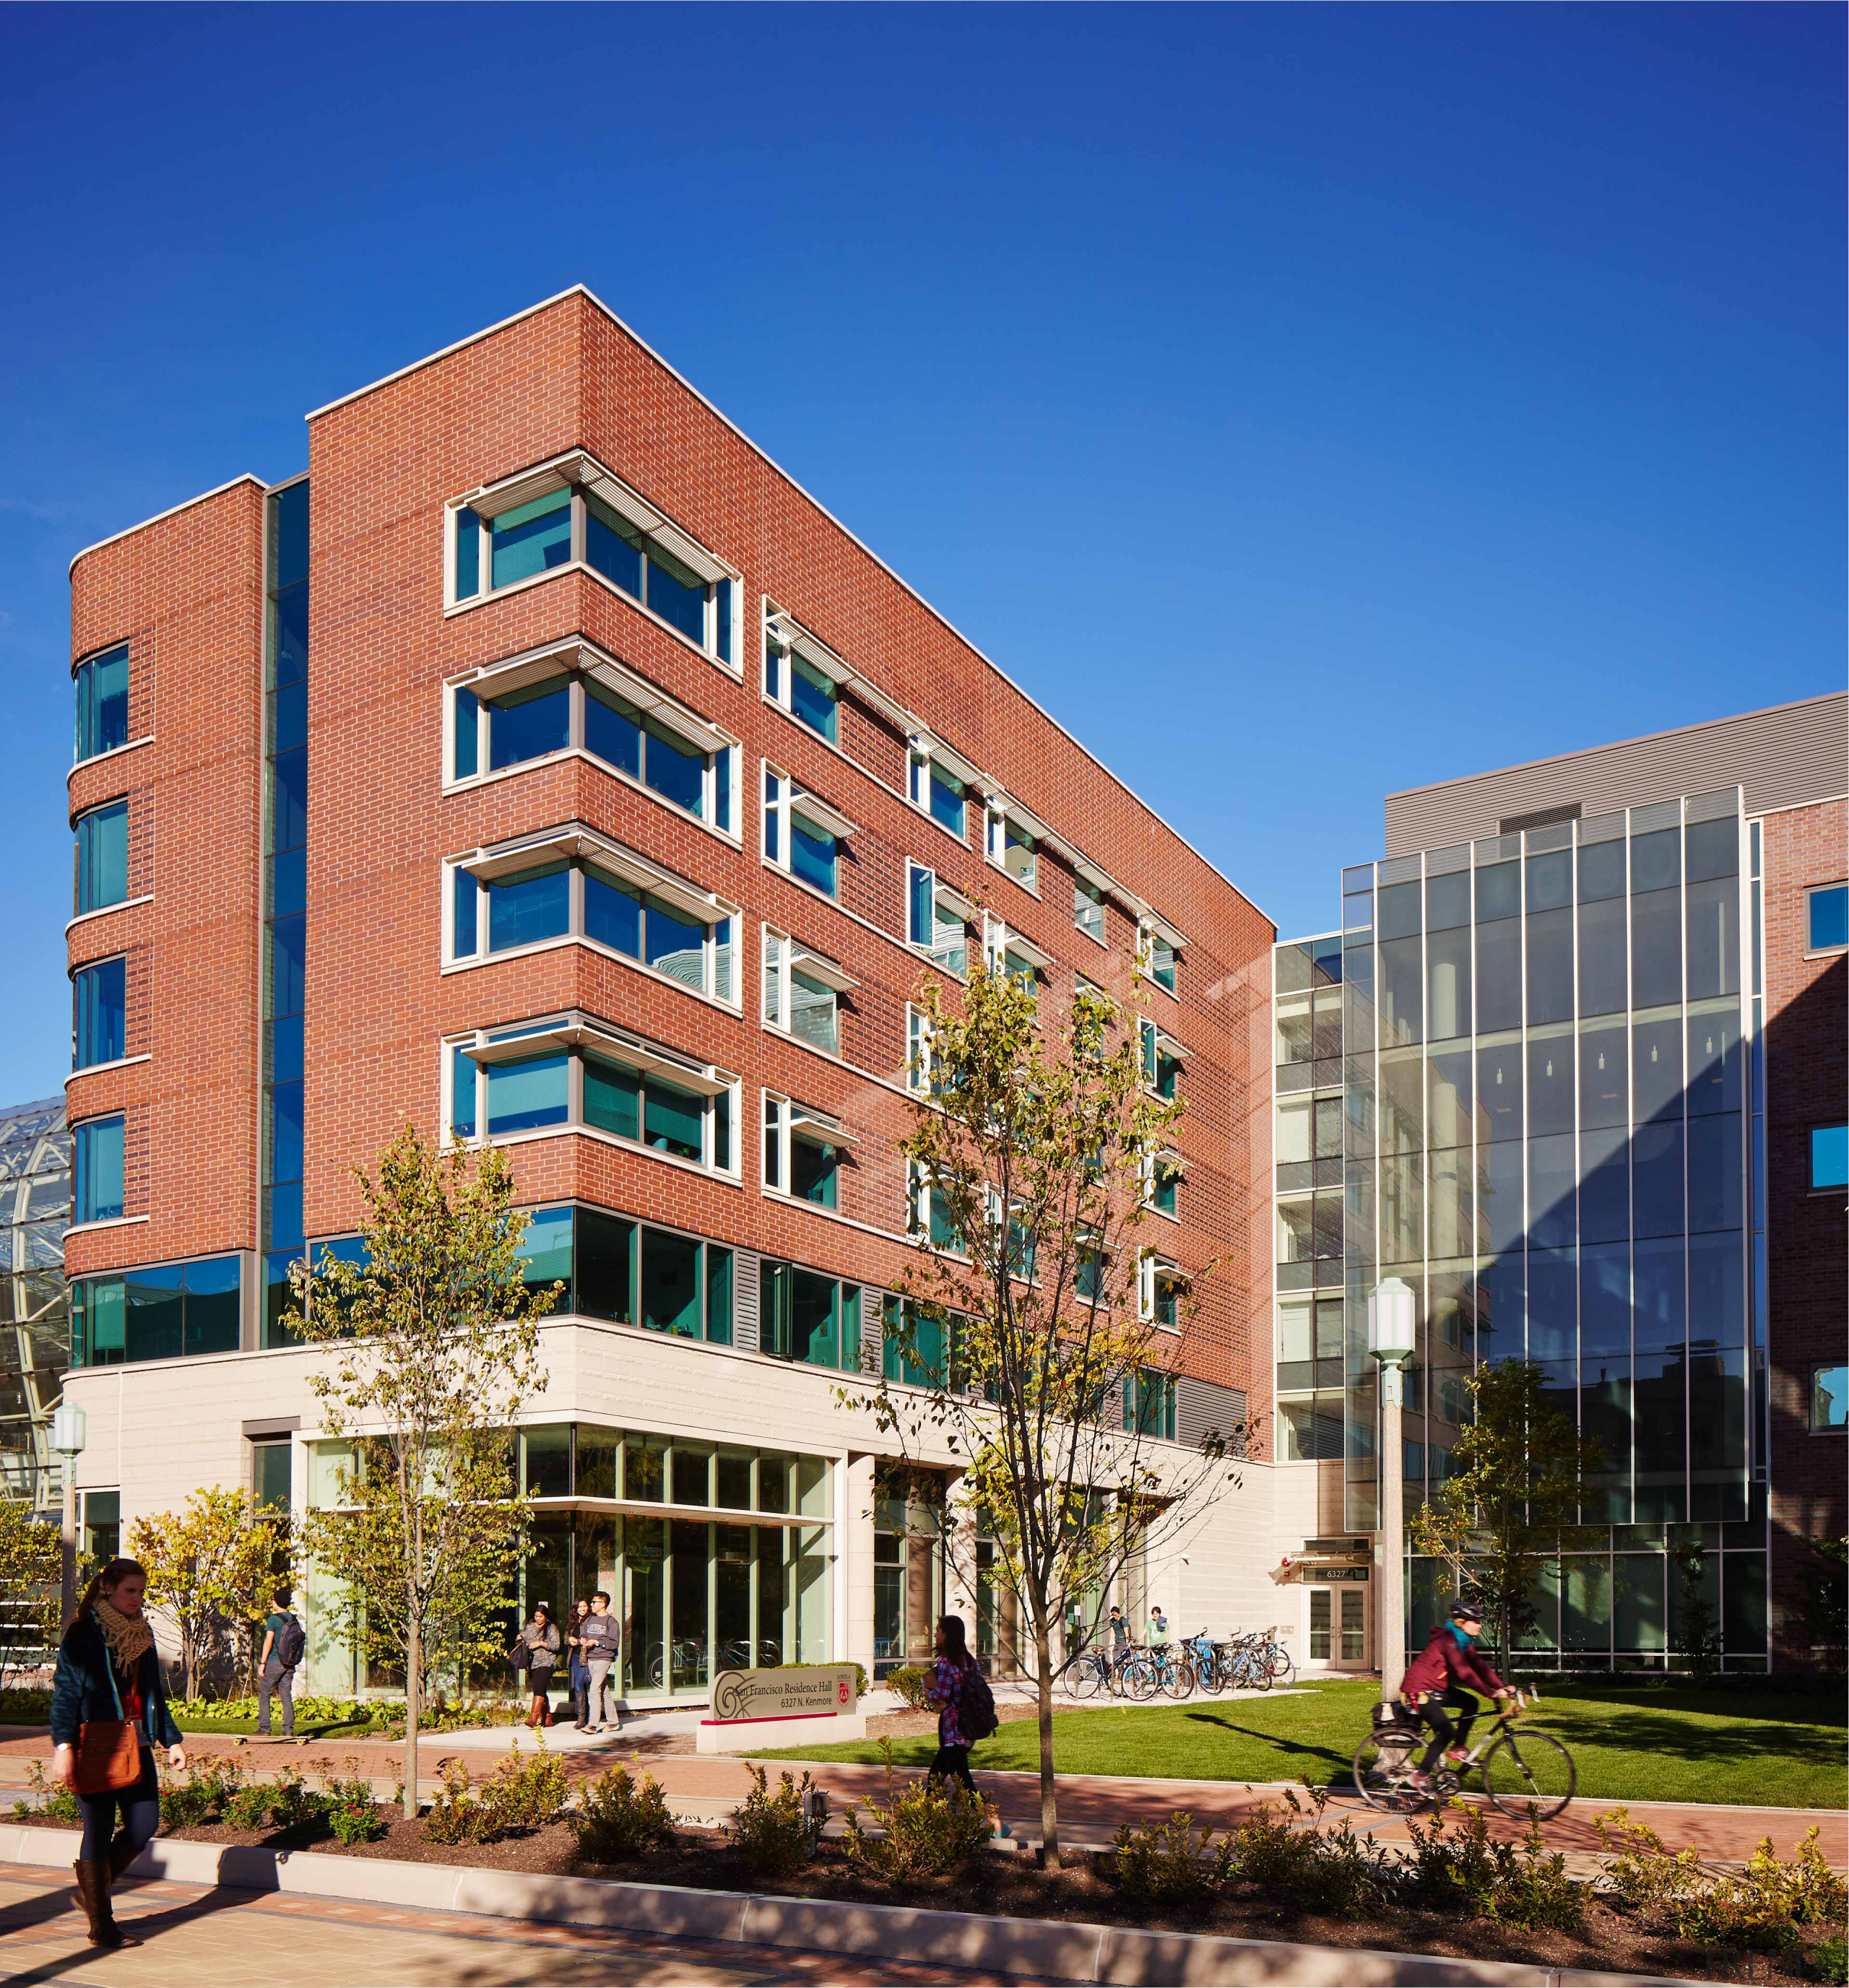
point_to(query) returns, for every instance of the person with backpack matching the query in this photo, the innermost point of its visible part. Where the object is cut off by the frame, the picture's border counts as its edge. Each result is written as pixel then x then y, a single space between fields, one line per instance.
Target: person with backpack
pixel 959 1694
pixel 284 1640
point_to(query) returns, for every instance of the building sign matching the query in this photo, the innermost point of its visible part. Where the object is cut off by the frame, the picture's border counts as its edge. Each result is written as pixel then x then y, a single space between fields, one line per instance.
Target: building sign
pixel 1318 1576
pixel 804 1691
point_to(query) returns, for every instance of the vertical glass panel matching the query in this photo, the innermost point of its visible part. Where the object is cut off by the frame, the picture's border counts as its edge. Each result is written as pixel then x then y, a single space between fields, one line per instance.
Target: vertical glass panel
pixel 1553 1180
pixel 1550 1082
pixel 1604 1076
pixel 1501 1309
pixel 155 1305
pixel 546 1251
pixel 1500 1172
pixel 1499 975
pixel 645 1468
pixel 612 1098
pixel 604 1247
pixel 99 1001
pixel 102 687
pixel 674 769
pixel 1604 1184
pixel 1656 860
pixel 813 699
pixel 676 946
pixel 1549 964
pixel 670 1283
pixel 526 724
pixel 468 554
pixel 529 1092
pixel 673 1120
pixel 1448 983
pixel 1399 911
pixel 1717 1290
pixel 1605 1300
pixel 814 1321
pixel 1656 947
pixel 1656 1171
pixel 1402 978
pixel 1552 1304
pixel 1715 1170
pixel 677 594
pixel 613 913
pixel 213 1306
pixel 613 729
pixel 1602 962
pixel 946 800
pixel 613 546
pixel 691 1665
pixel 812 855
pixel 1447 900
pixel 692 1475
pixel 465 926
pixel 1714 1061
pixel 1714 937
pixel 547 1452
pixel 1660 1319
pixel 531 538
pixel 719 1296
pixel 96 1164
pixel 529 906
pixel 1639 1616
pixel 1500 1089
pixel 1657 1065
pixel 1449 1175
pixel 102 857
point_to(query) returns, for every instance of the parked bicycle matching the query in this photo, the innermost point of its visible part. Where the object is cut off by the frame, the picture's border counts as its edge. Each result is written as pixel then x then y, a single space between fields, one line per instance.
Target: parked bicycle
pixel 1523 1768
pixel 1163 1667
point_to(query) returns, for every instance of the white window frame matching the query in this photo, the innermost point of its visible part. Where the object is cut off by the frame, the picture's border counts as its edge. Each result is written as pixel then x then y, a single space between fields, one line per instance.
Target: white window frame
pixel 999 814
pixel 923 752
pixel 783 1119
pixel 784 961
pixel 1152 932
pixel 787 799
pixel 1010 952
pixel 579 472
pixel 950 909
pixel 919 1188
pixel 581 847
pixel 1087 891
pixel 1150 1266
pixel 574 1034
pixel 578 661
pixel 1154 1044
pixel 921 1059
pixel 1166 1159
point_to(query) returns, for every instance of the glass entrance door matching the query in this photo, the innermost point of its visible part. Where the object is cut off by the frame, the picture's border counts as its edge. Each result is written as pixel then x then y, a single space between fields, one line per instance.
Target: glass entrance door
pixel 1336 1620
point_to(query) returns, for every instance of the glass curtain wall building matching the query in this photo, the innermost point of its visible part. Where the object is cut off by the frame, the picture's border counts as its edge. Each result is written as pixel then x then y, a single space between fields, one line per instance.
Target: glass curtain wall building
pixel 35 1191
pixel 1523 1078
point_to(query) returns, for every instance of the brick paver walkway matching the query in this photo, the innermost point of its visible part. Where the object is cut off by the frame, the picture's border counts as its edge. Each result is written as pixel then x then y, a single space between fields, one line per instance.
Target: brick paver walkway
pixel 194 1937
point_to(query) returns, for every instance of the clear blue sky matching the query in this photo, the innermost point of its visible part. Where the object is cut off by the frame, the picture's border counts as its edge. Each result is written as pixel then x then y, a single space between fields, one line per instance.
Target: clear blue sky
pixel 1300 401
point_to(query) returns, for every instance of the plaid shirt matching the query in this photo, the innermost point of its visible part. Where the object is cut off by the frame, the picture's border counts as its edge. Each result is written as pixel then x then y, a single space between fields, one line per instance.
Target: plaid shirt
pixel 944 1694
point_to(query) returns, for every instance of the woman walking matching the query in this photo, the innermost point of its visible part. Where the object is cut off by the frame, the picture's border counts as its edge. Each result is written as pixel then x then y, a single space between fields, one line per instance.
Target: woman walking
pixel 536 1652
pixel 944 1694
pixel 577 1677
pixel 107 1704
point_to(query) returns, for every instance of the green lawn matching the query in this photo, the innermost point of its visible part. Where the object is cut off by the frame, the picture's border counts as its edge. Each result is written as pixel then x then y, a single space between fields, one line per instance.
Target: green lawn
pixel 1650 1743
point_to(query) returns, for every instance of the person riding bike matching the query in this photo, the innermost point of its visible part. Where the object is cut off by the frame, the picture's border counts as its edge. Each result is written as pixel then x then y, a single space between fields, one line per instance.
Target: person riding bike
pixel 1436 1680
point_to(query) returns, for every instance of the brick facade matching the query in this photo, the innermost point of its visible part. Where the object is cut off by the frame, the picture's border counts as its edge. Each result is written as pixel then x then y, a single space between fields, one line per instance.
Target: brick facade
pixel 1807 1083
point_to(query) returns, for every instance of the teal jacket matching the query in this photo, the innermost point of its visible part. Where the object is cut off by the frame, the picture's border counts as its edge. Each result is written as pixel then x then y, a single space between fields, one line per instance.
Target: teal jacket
pixel 81 1688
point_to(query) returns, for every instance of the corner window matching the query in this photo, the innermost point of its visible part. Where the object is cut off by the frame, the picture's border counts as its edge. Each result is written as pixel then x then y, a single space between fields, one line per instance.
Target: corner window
pixel 804 1150
pixel 99 1013
pixel 1011 848
pixel 803 834
pixel 102 858
pixel 589 518
pixel 1829 1398
pixel 801 991
pixel 102 686
pixel 675 755
pixel 935 919
pixel 1829 1156
pixel 97 1166
pixel 1827 917
pixel 157 1311
pixel 574 1072
pixel 1087 909
pixel 605 897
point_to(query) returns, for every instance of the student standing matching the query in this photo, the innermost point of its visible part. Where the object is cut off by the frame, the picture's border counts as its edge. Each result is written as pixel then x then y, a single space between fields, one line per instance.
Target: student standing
pixel 600 1636
pixel 277 1666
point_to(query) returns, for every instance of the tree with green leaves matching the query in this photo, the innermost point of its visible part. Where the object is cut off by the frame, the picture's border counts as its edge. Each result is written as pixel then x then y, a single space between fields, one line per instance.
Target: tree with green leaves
pixel 1034 1344
pixel 1516 1483
pixel 431 1335
pixel 211 1567
pixel 32 1575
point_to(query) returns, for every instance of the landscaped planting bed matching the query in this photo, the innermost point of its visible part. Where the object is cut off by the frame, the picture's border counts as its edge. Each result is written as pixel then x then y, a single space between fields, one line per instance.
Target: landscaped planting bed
pixel 1454 1892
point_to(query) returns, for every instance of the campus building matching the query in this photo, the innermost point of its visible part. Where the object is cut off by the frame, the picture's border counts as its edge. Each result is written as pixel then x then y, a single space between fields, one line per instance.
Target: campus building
pixel 36 1199
pixel 1572 1066
pixel 546 768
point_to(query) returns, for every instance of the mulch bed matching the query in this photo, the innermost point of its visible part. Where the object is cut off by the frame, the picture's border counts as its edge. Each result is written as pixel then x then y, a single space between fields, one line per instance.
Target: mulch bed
pixel 1014 1885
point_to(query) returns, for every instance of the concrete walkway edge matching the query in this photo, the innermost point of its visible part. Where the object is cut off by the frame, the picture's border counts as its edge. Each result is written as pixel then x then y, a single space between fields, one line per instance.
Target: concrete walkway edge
pixel 1061 1949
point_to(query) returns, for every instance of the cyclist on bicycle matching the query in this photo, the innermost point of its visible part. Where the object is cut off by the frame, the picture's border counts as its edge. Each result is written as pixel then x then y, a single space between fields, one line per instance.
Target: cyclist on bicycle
pixel 1437 1680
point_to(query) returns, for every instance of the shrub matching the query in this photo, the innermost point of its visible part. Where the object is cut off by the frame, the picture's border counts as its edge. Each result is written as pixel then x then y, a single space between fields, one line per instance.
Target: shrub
pixel 615 1820
pixel 1828 1960
pixel 284 1803
pixel 929 1827
pixel 1455 1864
pixel 43 1799
pixel 352 1813
pixel 25 1707
pixel 454 1817
pixel 1641 1873
pixel 519 1796
pixel 209 1789
pixel 1335 1873
pixel 908 1682
pixel 775 1832
pixel 1166 1863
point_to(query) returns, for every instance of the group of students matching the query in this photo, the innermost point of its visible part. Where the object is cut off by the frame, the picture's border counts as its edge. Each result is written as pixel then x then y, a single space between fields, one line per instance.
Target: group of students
pixel 587 1647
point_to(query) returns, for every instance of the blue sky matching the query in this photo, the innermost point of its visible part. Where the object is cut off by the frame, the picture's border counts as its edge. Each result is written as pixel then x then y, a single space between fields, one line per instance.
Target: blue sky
pixel 1301 402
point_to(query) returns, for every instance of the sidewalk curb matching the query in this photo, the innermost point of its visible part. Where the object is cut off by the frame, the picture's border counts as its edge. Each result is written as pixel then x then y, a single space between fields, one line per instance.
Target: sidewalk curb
pixel 1060 1950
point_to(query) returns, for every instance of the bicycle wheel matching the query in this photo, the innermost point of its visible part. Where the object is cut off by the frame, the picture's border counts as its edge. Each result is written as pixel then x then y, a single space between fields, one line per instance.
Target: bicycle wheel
pixel 1209 1673
pixel 1281 1670
pixel 1528 1769
pixel 1082 1677
pixel 1141 1678
pixel 1383 1776
pixel 1179 1679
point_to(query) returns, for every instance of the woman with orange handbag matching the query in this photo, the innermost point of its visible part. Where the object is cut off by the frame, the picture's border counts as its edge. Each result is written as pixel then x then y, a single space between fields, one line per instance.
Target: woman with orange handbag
pixel 109 1712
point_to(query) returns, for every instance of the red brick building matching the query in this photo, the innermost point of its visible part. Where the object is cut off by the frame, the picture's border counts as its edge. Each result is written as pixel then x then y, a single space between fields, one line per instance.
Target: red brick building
pixel 548 767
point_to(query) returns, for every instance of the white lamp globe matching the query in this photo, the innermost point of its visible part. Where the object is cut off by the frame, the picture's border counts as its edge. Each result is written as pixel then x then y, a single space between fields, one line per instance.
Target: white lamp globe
pixel 1391 1328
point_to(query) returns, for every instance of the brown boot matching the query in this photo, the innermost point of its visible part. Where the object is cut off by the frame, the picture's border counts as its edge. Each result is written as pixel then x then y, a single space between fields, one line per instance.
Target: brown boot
pixel 92 1887
pixel 120 1855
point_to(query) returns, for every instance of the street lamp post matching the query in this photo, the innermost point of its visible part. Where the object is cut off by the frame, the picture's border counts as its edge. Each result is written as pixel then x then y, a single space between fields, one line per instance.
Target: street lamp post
pixel 69 1431
pixel 1391 1338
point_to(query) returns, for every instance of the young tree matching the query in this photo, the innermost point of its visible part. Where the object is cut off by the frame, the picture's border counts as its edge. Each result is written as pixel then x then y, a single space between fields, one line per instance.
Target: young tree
pixel 1026 1332
pixel 31 1574
pixel 1519 1470
pixel 432 1342
pixel 210 1569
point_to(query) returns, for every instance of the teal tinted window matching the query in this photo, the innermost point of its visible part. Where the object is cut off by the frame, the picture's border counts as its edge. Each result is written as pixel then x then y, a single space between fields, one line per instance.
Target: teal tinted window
pixel 525 1094
pixel 814 1323
pixel 719 1296
pixel 604 1246
pixel 531 906
pixel 99 1013
pixel 919 927
pixel 157 1311
pixel 1168 1180
pixel 676 770
pixel 96 1161
pixel 814 1168
pixel 1830 1156
pixel 613 913
pixel 102 857
pixel 468 554
pixel 672 1119
pixel 546 1251
pixel 813 699
pixel 467 725
pixel 612 1098
pixel 102 688
pixel 462 1094
pixel 811 855
pixel 531 538
pixel 670 1283
pixel 212 1294
pixel 723 599
pixel 677 594
pixel 947 801
pixel 676 946
pixel 465 924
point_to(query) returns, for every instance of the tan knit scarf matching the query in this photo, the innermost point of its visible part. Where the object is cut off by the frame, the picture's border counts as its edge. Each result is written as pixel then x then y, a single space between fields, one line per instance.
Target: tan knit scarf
pixel 130 1637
